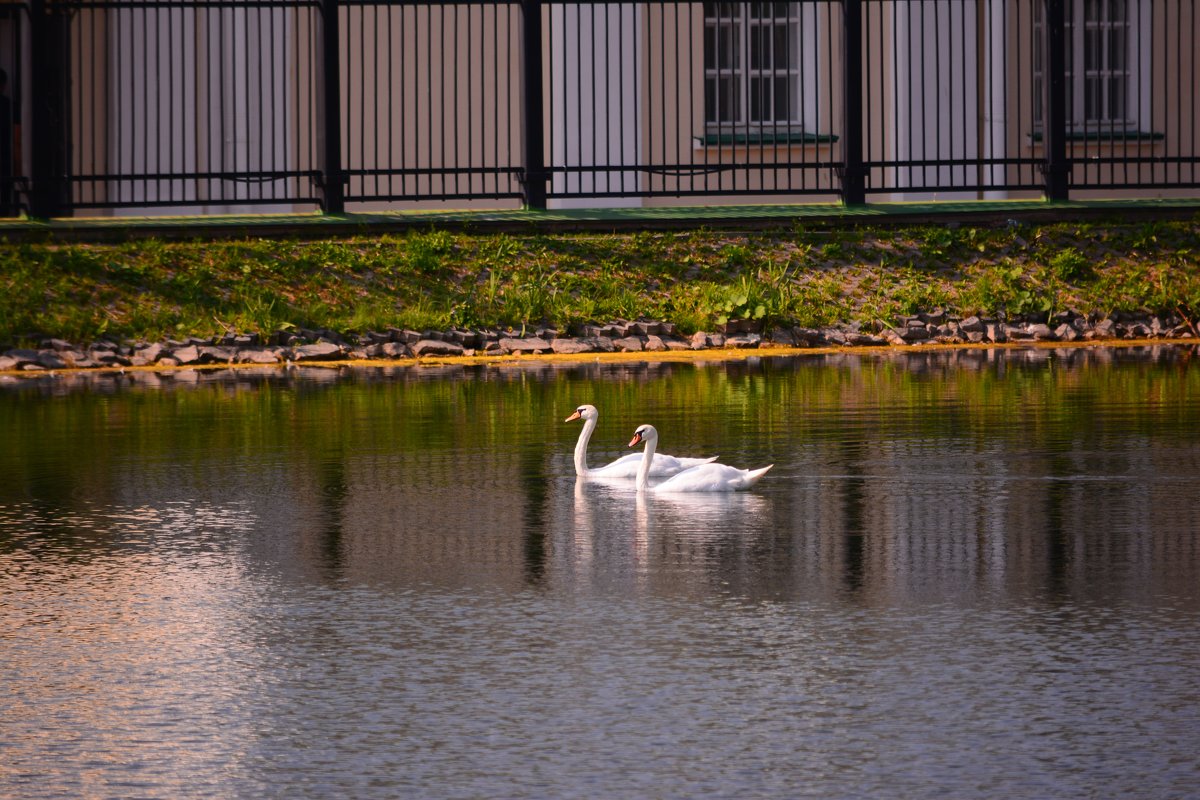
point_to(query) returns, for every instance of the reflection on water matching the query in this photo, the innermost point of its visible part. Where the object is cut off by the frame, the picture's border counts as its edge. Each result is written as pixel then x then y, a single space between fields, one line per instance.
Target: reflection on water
pixel 974 574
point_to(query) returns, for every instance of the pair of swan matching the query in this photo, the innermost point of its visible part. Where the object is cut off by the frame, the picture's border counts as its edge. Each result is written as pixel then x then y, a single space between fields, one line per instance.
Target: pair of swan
pixel 683 474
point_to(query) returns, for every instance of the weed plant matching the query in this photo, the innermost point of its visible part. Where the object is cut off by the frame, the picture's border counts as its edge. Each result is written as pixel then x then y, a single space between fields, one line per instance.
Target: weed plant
pixel 436 279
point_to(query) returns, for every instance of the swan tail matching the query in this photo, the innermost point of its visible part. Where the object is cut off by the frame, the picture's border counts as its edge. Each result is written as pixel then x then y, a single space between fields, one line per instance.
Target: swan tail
pixel 753 476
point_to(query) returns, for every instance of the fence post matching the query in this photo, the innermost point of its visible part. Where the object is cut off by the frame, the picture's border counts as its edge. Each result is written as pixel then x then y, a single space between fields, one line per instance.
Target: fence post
pixel 534 177
pixel 49 127
pixel 332 179
pixel 852 172
pixel 1057 169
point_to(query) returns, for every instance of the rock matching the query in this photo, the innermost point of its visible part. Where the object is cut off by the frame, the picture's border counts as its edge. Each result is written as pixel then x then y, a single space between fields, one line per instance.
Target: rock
pixel 1105 328
pixel 168 361
pixel 783 337
pixel 674 343
pixel 864 340
pixel 716 340
pixel 80 361
pixel 1015 333
pixel 995 332
pixel 1066 333
pixel 110 359
pixel 699 340
pixel 529 345
pixel 23 356
pixel 319 351
pixel 465 338
pixel 431 347
pixel 259 355
pixel 404 336
pixel 971 324
pixel 975 337
pixel 1137 330
pixel 150 353
pixel 736 326
pixel 655 344
pixel 645 328
pixel 629 344
pixel 7 363
pixel 744 342
pixel 1042 333
pixel 808 337
pixel 186 355
pixel 917 333
pixel 215 355
pixel 570 347
pixel 56 344
pixel 395 350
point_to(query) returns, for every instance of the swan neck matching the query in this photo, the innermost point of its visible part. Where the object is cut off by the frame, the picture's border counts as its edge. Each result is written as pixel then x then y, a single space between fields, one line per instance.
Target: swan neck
pixel 581 468
pixel 643 473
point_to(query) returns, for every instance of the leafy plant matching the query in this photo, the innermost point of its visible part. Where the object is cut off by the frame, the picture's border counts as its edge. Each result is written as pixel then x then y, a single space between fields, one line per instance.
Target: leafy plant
pixel 1070 265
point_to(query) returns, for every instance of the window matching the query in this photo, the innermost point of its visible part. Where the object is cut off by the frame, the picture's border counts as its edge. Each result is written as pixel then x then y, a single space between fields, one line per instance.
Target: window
pixel 1102 51
pixel 754 59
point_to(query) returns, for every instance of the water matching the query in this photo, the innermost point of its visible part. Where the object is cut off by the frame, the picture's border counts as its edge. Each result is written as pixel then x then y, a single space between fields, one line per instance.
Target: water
pixel 970 574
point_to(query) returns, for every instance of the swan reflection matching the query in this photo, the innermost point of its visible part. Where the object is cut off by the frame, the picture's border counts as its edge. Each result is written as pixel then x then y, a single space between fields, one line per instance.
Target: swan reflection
pixel 625 538
pixel 705 515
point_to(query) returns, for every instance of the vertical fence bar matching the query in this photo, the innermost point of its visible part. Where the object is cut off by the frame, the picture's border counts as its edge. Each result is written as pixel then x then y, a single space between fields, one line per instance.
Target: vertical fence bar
pixel 1056 169
pixel 50 125
pixel 533 176
pixel 332 180
pixel 852 171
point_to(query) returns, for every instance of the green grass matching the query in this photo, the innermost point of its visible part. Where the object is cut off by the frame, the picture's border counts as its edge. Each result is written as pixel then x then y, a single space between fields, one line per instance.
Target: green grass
pixel 436 279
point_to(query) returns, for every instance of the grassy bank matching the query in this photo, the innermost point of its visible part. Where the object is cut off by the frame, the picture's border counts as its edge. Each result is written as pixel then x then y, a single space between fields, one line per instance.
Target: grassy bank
pixel 436 280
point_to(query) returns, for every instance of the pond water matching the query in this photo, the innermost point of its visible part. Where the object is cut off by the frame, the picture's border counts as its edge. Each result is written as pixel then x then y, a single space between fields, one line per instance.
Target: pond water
pixel 969 574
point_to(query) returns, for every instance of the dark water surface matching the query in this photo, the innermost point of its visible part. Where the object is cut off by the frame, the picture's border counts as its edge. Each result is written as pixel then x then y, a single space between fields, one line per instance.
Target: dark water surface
pixel 970 574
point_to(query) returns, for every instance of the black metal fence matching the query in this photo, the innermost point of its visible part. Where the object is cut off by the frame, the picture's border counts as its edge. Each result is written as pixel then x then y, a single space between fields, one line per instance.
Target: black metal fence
pixel 210 106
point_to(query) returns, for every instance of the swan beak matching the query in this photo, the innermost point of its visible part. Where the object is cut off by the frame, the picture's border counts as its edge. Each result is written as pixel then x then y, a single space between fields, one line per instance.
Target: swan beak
pixel 637 439
pixel 574 416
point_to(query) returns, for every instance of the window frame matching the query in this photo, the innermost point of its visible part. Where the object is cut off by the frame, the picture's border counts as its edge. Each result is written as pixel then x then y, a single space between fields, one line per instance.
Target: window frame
pixel 1135 24
pixel 740 36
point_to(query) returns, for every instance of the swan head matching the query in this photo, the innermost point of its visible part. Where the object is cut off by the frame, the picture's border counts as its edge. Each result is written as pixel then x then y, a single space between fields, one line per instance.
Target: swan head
pixel 584 412
pixel 644 433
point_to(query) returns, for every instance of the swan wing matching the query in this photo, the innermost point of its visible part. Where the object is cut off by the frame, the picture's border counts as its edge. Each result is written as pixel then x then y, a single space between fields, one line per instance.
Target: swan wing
pixel 712 478
pixel 663 465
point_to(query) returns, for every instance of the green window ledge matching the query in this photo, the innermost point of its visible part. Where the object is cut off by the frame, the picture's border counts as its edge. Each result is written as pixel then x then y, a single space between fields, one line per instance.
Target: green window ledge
pixel 1102 134
pixel 768 138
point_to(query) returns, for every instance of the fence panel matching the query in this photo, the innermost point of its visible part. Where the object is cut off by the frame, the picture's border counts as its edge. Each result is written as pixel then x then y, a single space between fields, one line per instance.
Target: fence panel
pixel 192 103
pixel 431 100
pixel 1137 117
pixel 950 97
pixel 686 99
pixel 14 88
pixel 226 105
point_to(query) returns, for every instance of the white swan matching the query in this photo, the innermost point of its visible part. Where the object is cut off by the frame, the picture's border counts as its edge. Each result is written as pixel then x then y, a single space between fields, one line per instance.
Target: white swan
pixel 625 466
pixel 704 478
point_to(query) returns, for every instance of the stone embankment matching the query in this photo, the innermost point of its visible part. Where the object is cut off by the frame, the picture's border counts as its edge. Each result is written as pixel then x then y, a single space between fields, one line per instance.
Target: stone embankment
pixel 291 346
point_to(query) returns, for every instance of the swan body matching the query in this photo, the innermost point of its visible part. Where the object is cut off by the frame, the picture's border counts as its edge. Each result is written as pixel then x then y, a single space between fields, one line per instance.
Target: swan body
pixel 625 466
pixel 703 478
